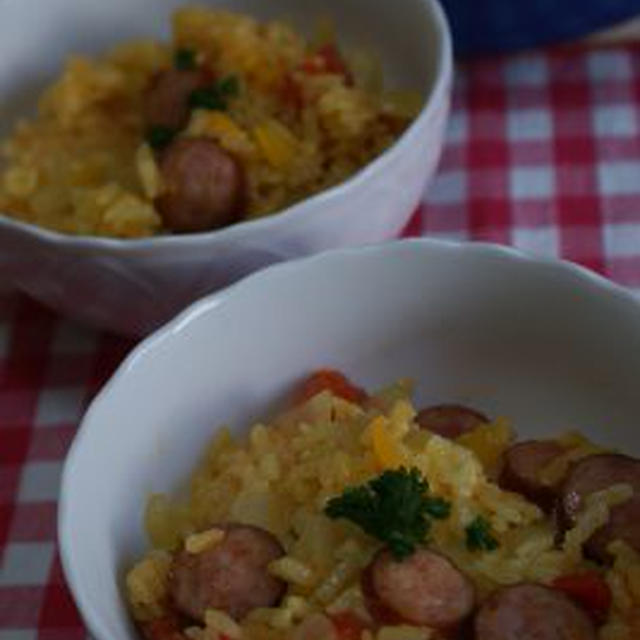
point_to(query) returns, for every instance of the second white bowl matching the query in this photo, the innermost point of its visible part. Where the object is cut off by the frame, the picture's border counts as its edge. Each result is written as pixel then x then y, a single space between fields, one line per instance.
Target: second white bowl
pixel 133 286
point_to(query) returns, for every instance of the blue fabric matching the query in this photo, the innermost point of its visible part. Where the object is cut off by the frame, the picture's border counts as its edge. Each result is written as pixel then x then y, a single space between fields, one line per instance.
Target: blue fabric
pixel 490 26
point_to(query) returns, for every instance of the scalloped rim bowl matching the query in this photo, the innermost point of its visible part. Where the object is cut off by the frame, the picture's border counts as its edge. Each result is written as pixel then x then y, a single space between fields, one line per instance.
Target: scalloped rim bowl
pixel 545 343
pixel 132 286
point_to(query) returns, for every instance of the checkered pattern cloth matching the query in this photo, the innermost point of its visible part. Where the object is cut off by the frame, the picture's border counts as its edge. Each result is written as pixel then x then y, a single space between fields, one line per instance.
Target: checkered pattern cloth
pixel 543 153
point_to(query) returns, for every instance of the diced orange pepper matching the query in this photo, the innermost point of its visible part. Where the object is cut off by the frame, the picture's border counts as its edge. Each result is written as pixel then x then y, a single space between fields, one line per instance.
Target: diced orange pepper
pixel 385 447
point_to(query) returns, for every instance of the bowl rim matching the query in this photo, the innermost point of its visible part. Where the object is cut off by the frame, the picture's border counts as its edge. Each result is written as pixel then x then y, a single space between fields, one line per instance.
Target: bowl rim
pixel 437 92
pixel 593 283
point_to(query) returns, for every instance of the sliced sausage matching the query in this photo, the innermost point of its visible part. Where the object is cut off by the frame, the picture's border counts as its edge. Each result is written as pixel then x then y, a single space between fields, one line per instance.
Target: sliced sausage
pixel 595 473
pixel 530 611
pixel 203 186
pixel 624 524
pixel 166 100
pixel 231 576
pixel 425 589
pixel 450 420
pixel 522 465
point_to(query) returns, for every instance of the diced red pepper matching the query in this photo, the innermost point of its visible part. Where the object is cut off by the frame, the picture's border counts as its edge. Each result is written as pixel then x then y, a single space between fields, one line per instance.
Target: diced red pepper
pixel 333 61
pixel 588 589
pixel 291 93
pixel 165 628
pixel 348 625
pixel 327 59
pixel 313 64
pixel 329 380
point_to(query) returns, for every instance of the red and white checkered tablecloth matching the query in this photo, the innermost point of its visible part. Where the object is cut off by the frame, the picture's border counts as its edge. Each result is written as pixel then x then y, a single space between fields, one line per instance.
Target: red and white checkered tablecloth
pixel 543 153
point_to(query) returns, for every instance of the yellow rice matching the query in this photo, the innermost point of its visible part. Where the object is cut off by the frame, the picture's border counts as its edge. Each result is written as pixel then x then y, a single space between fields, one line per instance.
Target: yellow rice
pixel 81 166
pixel 281 475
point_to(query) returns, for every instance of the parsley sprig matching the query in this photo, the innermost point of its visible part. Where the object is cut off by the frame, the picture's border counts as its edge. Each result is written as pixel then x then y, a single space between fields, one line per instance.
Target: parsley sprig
pixel 394 507
pixel 480 535
pixel 159 136
pixel 215 96
pixel 184 59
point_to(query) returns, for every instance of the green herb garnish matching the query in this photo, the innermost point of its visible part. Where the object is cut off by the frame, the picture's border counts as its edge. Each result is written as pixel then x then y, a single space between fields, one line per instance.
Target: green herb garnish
pixel 159 136
pixel 438 508
pixel 228 86
pixel 207 98
pixel 184 59
pixel 394 507
pixel 215 96
pixel 479 535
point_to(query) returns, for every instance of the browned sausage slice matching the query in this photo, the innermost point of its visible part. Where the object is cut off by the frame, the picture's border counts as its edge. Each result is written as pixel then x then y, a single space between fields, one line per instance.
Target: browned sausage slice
pixel 423 589
pixel 530 611
pixel 595 473
pixel 203 186
pixel 450 420
pixel 624 524
pixel 166 100
pixel 231 576
pixel 522 464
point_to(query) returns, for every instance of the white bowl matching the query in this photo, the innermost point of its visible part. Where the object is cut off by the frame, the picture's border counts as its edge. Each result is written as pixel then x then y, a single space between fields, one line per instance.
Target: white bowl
pixel 132 286
pixel 547 344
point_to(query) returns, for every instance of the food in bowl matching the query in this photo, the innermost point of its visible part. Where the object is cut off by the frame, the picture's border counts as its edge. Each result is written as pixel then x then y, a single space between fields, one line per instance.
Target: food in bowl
pixel 234 119
pixel 352 515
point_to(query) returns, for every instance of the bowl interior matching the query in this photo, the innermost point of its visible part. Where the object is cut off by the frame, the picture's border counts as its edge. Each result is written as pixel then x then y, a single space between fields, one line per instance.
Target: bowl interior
pixel 541 343
pixel 38 36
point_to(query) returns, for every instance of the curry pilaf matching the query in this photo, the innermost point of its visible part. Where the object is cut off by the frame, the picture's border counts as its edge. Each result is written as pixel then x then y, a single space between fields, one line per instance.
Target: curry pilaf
pixel 233 119
pixel 352 515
